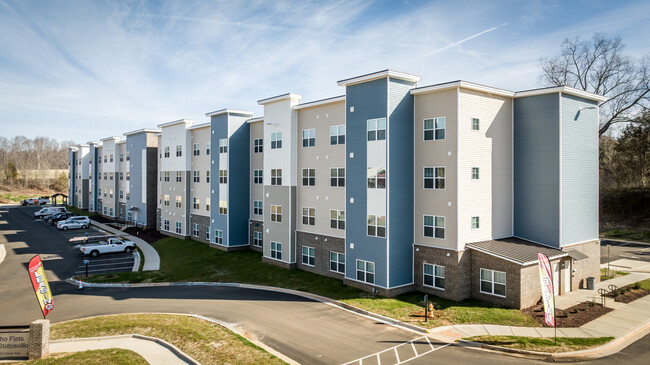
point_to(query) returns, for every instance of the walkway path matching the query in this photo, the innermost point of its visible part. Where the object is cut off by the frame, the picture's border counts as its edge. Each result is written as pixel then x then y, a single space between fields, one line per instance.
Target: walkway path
pixel 154 350
pixel 151 258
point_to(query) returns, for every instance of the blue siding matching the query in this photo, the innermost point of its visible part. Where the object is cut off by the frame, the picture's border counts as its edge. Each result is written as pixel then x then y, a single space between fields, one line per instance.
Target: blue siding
pixel 400 183
pixel 218 130
pixel 369 101
pixel 536 169
pixel 135 144
pixel 238 183
pixel 579 170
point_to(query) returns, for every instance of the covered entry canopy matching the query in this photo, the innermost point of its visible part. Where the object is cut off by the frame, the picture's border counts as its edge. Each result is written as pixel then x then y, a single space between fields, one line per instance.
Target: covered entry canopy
pixel 516 250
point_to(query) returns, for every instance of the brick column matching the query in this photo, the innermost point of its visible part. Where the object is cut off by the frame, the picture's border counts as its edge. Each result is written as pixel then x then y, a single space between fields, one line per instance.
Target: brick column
pixel 39 339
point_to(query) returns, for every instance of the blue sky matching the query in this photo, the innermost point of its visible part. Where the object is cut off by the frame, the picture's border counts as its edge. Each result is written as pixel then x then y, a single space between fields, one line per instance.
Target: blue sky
pixel 84 70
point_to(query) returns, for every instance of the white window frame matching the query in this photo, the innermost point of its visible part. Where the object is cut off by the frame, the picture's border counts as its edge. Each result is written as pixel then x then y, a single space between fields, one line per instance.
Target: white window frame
pixel 258 145
pixel 223 145
pixel 276 177
pixel 374 179
pixel 276 140
pixel 276 214
pixel 434 275
pixel 434 129
pixel 336 135
pixel 276 250
pixel 223 207
pixel 179 201
pixel 207 233
pixel 337 219
pixel 218 236
pixel 365 271
pixel 195 229
pixel 309 255
pixel 223 176
pixel 258 176
pixel 476 124
pixel 476 173
pixel 310 217
pixel 309 137
pixel 166 225
pixel 308 177
pixel 196 151
pixel 196 203
pixel 179 150
pixel 374 222
pixel 375 128
pixel 337 259
pixel 476 222
pixel 434 178
pixel 492 282
pixel 208 146
pixel 258 207
pixel 196 176
pixel 258 238
pixel 179 228
pixel 434 226
pixel 335 176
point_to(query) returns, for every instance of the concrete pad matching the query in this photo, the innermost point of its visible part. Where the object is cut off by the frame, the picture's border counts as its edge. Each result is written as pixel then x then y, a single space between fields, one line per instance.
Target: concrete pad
pixel 594 333
pixel 546 332
pixel 572 332
pixel 471 331
pixel 611 329
pixel 451 334
pixel 496 330
pixel 524 331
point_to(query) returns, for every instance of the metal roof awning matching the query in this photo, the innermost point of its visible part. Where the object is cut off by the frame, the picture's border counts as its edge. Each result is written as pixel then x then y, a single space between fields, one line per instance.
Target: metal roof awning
pixel 516 250
pixel 577 255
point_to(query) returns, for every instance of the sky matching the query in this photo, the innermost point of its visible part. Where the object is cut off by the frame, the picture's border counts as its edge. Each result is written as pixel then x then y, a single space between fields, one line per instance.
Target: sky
pixel 85 70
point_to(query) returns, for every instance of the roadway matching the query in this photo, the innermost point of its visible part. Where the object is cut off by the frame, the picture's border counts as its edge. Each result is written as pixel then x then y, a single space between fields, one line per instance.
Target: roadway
pixel 308 332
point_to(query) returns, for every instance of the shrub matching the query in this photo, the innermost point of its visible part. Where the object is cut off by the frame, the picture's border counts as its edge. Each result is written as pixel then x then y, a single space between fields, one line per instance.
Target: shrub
pixel 566 313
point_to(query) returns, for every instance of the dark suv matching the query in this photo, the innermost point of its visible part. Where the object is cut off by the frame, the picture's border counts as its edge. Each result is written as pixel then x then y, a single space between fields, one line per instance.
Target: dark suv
pixel 59 217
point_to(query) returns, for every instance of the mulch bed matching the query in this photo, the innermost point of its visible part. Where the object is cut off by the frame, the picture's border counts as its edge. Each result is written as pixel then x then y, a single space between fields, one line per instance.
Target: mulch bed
pixel 575 316
pixel 101 219
pixel 148 235
pixel 628 294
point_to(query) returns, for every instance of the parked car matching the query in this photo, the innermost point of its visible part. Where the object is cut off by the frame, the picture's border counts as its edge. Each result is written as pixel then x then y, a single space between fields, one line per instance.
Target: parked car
pixel 29 201
pixel 48 211
pixel 44 200
pixel 73 223
pixel 56 217
pixel 111 245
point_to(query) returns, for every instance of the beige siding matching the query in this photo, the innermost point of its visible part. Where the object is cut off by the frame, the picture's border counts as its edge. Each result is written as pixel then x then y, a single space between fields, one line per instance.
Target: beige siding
pixel 200 163
pixel 257 163
pixel 489 149
pixel 123 167
pixel 321 157
pixel 436 153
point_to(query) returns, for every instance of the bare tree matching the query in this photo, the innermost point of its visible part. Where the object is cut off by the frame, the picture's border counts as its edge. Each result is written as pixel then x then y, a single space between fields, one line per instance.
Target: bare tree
pixel 600 67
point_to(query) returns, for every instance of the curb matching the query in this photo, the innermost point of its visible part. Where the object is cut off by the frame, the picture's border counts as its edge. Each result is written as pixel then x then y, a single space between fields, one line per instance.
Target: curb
pixel 136 260
pixel 180 354
pixel 3 252
pixel 147 266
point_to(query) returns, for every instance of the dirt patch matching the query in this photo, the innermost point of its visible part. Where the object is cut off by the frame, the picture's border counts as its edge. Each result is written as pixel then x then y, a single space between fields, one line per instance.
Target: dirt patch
pixel 575 316
pixel 148 235
pixel 628 294
pixel 101 219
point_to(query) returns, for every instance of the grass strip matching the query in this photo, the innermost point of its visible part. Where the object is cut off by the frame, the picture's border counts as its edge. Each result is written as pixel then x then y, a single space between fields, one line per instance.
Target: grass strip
pixel 188 260
pixel 542 344
pixel 606 275
pixel 92 357
pixel 205 341
pixel 628 233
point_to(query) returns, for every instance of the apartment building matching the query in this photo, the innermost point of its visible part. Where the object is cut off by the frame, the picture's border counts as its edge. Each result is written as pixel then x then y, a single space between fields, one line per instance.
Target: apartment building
pixel 78 182
pixel 449 189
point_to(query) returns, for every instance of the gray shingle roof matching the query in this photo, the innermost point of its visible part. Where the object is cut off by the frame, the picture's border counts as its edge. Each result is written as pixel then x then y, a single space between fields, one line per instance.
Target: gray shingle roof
pixel 516 249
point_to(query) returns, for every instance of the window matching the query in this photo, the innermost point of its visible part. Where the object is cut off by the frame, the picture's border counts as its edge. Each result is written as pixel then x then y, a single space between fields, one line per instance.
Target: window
pixel 207 176
pixel 476 124
pixel 207 204
pixel 337 177
pixel 167 176
pixel 179 150
pixel 111 175
pixel 337 219
pixel 207 233
pixel 167 151
pixel 276 250
pixel 179 228
pixel 434 129
pixel 128 176
pixel 276 176
pixel 475 222
pixel 121 194
pixel 166 226
pixel 276 213
pixel 196 150
pixel 434 226
pixel 257 176
pixel 105 210
pixel 179 201
pixel 111 159
pixel 434 177
pixel 110 194
pixel 179 176
pixel 257 207
pixel 308 177
pixel 475 173
pixel 276 140
pixel 308 256
pixel 376 178
pixel 218 236
pixel 121 157
pixel 258 145
pixel 195 230
pixel 309 137
pixel 337 262
pixel 377 129
pixel 366 271
pixel 223 176
pixel 166 200
pixel 207 149
pixel 128 156
pixel 121 176
pixel 337 134
pixel 493 282
pixel 377 225
pixel 223 207
pixel 128 196
pixel 257 239
pixel 223 145
pixel 110 212
pixel 196 176
pixel 196 203
pixel 434 276
pixel 309 216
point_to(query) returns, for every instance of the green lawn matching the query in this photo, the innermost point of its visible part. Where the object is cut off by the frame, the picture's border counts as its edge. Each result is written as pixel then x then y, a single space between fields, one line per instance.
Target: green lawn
pixel 78 211
pixel 644 284
pixel 93 357
pixel 605 275
pixel 187 260
pixel 627 233
pixel 206 342
pixel 563 344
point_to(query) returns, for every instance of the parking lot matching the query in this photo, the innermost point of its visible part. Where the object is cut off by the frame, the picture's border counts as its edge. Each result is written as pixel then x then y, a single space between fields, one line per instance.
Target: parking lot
pixel 103 264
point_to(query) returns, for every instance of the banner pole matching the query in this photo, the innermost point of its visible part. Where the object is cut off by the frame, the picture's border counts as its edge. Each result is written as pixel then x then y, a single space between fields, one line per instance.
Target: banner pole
pixel 554 309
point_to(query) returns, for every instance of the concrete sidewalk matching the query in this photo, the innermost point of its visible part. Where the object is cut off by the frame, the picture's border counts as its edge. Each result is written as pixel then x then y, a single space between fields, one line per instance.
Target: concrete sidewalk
pixel 154 350
pixel 151 258
pixel 583 295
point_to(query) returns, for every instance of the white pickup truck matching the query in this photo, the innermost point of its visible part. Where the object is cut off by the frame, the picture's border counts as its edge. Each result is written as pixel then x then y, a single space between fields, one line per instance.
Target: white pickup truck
pixel 109 246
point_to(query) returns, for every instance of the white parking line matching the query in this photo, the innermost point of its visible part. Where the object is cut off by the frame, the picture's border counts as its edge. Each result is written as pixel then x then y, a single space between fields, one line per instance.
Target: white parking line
pixel 394 348
pixel 81 272
pixel 112 259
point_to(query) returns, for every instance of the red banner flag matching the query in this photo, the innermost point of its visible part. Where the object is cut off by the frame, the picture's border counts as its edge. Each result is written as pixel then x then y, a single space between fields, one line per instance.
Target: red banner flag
pixel 40 284
pixel 546 279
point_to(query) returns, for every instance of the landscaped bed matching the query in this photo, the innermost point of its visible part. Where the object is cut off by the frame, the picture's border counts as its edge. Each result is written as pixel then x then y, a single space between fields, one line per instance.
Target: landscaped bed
pixel 574 316
pixel 631 292
pixel 563 344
